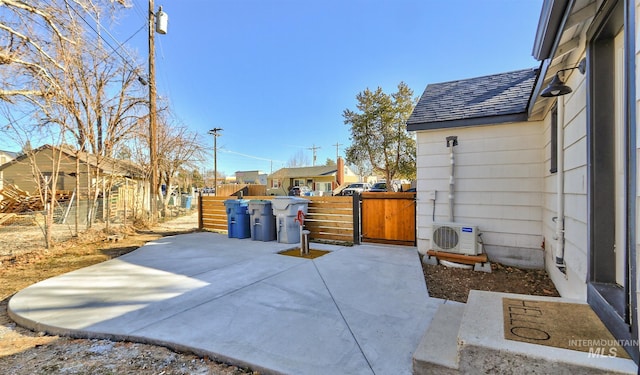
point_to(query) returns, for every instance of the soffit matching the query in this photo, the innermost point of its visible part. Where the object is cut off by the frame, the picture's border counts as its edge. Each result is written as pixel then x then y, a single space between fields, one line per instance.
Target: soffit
pixel 569 49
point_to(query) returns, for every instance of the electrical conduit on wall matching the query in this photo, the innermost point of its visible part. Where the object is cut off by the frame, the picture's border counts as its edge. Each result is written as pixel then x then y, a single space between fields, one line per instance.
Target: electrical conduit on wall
pixel 559 220
pixel 452 141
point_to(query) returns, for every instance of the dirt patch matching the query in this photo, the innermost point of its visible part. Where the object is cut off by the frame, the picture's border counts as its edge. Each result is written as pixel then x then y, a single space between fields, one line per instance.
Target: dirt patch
pixel 24 261
pixel 455 283
pixel 311 255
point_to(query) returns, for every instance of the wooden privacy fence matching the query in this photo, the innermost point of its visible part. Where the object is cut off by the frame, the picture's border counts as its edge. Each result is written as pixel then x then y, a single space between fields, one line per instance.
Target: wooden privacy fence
pixel 248 190
pixel 389 218
pixel 328 218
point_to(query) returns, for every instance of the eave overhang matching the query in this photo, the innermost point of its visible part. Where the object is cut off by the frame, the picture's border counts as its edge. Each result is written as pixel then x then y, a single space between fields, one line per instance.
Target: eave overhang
pixel 477 121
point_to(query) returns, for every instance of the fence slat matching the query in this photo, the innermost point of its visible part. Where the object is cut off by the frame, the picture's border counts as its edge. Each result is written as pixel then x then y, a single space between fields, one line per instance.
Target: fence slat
pixel 329 218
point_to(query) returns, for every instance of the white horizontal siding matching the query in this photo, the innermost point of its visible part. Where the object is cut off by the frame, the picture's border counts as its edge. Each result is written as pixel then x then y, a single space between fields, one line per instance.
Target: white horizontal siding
pixel 498 182
pixel 573 282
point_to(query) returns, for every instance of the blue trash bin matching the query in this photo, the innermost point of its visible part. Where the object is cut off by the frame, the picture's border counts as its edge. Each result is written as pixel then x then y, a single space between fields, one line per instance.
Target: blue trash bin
pixel 186 202
pixel 238 221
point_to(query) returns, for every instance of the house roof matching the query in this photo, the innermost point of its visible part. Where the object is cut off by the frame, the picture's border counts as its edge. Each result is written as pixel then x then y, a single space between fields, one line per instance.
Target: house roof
pixel 106 164
pixel 322 170
pixel 492 99
pixel 11 154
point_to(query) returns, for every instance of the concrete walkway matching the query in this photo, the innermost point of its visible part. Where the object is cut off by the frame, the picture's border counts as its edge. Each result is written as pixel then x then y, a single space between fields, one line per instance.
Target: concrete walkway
pixel 357 310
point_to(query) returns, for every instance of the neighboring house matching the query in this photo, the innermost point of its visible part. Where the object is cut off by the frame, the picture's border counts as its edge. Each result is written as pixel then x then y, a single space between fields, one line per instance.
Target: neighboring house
pixel 45 159
pixel 323 179
pixel 5 157
pixel 60 164
pixel 549 181
pixel 251 177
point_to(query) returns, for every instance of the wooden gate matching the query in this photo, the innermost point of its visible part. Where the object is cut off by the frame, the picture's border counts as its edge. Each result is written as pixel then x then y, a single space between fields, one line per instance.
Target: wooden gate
pixel 389 218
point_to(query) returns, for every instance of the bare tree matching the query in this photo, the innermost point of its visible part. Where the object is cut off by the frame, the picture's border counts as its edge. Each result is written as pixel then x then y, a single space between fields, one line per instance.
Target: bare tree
pixel 59 67
pixel 30 33
pixel 178 150
pixel 299 159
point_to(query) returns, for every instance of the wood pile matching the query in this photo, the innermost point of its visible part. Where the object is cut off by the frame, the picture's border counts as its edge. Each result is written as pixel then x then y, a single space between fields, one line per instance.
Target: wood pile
pixel 6 217
pixel 16 200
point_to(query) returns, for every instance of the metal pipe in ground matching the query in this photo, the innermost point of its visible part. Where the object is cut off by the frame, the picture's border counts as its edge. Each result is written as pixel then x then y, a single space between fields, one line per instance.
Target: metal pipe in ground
pixel 304 242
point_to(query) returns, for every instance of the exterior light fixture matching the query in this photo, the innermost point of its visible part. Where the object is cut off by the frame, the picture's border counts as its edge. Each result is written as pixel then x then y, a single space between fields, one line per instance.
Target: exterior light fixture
pixel 557 87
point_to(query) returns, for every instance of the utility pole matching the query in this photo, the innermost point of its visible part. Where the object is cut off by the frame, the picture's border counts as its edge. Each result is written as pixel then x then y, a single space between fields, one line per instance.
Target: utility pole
pixel 338 144
pixel 153 138
pixel 215 134
pixel 152 119
pixel 314 148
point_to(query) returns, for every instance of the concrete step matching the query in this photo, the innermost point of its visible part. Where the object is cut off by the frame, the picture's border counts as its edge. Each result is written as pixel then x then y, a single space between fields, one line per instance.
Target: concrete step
pixel 482 347
pixel 469 339
pixel 437 352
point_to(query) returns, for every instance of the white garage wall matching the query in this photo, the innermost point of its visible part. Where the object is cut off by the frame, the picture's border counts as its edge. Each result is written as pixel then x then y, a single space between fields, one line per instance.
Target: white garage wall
pixel 499 172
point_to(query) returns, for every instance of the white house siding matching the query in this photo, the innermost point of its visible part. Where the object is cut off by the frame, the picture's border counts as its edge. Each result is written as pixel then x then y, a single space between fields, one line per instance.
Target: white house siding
pixel 571 284
pixel 499 172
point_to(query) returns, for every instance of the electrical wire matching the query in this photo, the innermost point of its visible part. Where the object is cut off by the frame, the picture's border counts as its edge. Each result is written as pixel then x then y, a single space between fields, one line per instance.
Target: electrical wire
pixel 137 8
pixel 108 33
pixel 133 68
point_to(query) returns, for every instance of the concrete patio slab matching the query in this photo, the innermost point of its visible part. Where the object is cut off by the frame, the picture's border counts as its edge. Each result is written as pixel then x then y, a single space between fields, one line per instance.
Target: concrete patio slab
pixel 356 310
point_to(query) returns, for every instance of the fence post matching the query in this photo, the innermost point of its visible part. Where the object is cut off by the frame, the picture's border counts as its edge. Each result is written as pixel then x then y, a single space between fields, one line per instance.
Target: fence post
pixel 200 221
pixel 356 218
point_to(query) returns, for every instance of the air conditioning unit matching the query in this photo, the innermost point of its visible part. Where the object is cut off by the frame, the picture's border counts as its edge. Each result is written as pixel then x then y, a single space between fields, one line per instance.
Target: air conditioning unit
pixel 455 238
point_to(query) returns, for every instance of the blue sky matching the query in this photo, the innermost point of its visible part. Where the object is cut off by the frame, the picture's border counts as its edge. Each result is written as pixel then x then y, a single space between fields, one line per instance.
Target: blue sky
pixel 276 75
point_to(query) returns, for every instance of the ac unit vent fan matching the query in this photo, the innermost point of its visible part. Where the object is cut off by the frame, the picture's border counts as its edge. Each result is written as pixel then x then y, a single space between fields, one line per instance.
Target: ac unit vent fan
pixel 455 238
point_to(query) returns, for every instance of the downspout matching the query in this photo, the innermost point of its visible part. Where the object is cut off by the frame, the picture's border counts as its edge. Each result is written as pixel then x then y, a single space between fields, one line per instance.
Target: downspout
pixel 559 219
pixel 452 141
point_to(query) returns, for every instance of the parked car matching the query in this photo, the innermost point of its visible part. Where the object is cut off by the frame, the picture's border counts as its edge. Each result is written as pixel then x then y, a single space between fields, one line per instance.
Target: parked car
pixel 299 190
pixel 357 187
pixel 379 187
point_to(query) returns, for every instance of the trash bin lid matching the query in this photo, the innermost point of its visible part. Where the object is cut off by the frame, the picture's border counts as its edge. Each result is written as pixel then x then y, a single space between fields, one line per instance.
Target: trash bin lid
pixel 234 202
pixel 259 201
pixel 281 203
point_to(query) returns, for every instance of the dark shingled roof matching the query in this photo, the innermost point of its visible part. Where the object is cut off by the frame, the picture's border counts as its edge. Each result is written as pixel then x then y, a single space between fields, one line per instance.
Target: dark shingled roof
pixel 493 99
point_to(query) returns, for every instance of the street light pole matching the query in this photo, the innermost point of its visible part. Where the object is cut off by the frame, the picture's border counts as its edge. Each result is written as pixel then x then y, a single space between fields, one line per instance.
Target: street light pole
pixel 215 134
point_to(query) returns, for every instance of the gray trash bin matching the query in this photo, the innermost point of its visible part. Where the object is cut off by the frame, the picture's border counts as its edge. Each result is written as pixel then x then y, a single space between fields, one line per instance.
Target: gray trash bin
pixel 285 209
pixel 263 223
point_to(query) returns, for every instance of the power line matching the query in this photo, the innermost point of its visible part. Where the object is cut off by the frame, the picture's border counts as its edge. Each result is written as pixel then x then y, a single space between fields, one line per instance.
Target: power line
pixel 250 156
pixel 103 39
